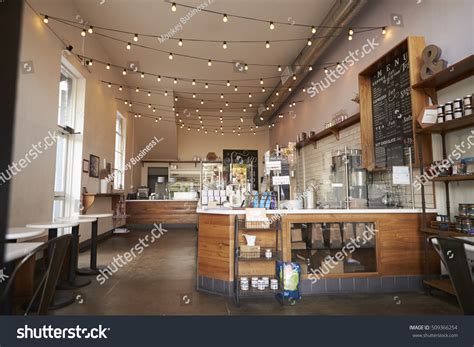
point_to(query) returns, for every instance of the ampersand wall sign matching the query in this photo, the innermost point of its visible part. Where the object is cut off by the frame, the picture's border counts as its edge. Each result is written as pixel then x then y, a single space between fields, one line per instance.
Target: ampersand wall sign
pixel 431 61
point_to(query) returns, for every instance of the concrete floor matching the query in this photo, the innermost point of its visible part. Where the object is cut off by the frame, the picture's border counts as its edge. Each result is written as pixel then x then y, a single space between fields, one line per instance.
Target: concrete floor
pixel 155 282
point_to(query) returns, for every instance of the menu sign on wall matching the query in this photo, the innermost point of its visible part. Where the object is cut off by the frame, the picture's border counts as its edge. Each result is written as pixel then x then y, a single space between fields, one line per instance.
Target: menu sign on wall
pixel 392 111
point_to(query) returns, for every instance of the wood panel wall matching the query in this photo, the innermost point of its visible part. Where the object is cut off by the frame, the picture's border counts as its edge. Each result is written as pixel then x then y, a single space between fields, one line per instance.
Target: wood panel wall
pixel 166 212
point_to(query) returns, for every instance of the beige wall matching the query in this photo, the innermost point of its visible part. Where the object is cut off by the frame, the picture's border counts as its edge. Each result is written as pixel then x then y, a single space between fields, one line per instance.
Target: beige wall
pixel 32 190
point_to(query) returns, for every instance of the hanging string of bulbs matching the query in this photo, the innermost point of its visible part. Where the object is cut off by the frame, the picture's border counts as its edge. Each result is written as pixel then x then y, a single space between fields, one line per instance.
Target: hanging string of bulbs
pixel 128 45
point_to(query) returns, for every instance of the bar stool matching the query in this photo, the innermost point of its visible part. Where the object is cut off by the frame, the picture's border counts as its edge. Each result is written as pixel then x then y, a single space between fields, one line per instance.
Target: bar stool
pixel 93 269
pixel 74 282
pixel 61 298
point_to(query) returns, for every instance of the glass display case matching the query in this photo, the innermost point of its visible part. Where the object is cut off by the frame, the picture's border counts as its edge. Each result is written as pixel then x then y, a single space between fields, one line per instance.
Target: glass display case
pixel 212 183
pixel 335 248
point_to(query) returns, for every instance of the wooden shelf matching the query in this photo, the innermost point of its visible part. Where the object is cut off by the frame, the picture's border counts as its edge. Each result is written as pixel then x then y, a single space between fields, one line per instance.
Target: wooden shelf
pixel 103 195
pixel 452 125
pixel 89 198
pixel 452 74
pixel 442 284
pixel 457 178
pixel 334 130
pixel 433 231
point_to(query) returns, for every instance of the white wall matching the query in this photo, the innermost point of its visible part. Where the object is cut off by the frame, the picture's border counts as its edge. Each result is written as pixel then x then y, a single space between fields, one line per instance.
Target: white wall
pixel 32 190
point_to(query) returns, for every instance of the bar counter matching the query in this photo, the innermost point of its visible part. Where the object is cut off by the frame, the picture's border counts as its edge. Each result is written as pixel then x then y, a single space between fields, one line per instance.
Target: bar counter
pixel 162 211
pixel 397 255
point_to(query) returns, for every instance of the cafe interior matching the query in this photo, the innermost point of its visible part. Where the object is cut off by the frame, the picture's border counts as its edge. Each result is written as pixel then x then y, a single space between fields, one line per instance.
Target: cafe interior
pixel 236 157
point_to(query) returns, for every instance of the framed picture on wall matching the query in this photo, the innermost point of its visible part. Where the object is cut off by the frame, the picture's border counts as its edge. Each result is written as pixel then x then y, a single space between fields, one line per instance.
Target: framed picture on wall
pixel 85 165
pixel 94 163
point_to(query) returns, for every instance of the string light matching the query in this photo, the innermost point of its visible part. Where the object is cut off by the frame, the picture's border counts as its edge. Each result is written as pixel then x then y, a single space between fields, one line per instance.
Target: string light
pixel 194 96
pixel 349 37
pixel 137 89
pixel 277 93
pixel 158 78
pixel 83 33
pixel 90 30
pixel 224 45
pixel 267 44
pixel 175 81
pixel 149 94
pixel 142 75
pixel 309 43
pixel 241 119
pixel 235 88
pixel 46 20
pixel 166 93
pixel 294 77
pixel 180 42
pixel 129 46
pixel 246 67
pixel 224 19
pixel 351 32
pixel 202 102
pixel 120 88
pixel 206 85
pixel 263 90
pixel 109 85
pixel 209 63
pixel 313 30
pixel 310 68
pixel 384 30
pixel 89 62
pixel 279 68
pixel 222 96
pixel 289 89
pixel 250 95
pixel 108 67
pixel 173 7
pixel 154 110
pixel 261 80
pixel 193 82
pixel 228 83
pixel 135 38
pixel 170 57
pixel 272 26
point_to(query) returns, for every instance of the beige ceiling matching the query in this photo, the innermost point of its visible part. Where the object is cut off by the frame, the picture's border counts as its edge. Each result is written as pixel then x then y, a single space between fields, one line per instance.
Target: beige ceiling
pixel 155 17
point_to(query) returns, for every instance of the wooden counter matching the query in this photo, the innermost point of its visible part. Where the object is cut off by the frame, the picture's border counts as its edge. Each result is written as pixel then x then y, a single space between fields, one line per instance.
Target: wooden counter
pixel 162 211
pixel 399 243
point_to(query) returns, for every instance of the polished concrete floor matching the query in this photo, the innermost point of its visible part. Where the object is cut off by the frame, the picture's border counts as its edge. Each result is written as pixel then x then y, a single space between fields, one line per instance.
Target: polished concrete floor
pixel 161 281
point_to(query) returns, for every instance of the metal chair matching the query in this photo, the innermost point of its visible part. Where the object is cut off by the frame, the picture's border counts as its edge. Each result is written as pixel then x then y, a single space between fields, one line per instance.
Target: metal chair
pixel 46 284
pixel 453 255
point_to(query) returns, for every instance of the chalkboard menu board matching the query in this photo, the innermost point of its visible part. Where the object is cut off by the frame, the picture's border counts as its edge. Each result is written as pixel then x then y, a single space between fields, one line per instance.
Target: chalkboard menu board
pixel 392 111
pixel 242 157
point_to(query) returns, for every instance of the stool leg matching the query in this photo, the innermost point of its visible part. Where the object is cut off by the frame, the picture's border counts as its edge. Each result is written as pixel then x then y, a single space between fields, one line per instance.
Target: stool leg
pixel 94 245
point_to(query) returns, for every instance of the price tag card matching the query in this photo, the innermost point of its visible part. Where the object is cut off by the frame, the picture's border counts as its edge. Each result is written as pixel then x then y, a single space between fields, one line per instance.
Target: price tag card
pixel 273 166
pixel 401 175
pixel 281 180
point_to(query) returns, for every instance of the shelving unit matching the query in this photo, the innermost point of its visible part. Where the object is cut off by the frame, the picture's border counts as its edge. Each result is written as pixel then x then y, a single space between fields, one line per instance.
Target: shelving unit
pixel 334 130
pixel 267 238
pixel 88 200
pixel 445 78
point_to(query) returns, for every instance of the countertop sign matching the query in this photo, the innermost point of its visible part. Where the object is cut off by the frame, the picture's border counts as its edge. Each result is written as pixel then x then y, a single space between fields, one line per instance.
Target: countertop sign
pixel 392 111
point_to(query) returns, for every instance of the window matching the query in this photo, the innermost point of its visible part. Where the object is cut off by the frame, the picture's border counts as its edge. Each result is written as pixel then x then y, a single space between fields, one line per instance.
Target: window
pixel 119 179
pixel 64 144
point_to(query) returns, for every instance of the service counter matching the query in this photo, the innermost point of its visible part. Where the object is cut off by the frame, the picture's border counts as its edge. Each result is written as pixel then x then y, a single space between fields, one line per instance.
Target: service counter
pixel 392 261
pixel 162 211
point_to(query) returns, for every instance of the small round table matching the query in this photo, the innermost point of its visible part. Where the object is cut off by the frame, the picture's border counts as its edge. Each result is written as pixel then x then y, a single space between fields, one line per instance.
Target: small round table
pixel 93 269
pixel 74 282
pixel 14 234
pixel 61 298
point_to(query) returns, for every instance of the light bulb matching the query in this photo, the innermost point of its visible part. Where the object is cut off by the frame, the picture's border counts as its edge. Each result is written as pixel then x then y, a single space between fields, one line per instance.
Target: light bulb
pixel 175 81
pixel 206 86
pixel 149 94
pixel 154 110
pixel 349 38
pixel 180 42
pixel 46 19
pixel 277 93
pixel 110 85
pixel 289 89
pixel 267 44
pixel 222 96
pixel 193 82
pixel 228 83
pixel 90 30
pixel 170 57
pixel 124 72
pixel 108 67
pixel 313 30
pixel 209 63
pixel 261 118
pixel 202 102
pixel 166 93
pixel 263 90
pixel 129 46
pixel 194 96
pixel 175 98
pixel 89 63
pixel 220 110
pixel 241 119
pixel 309 43
pixel 261 80
pixel 83 32
pixel 245 110
pixel 351 32
pixel 120 88
pixel 272 26
pixel 246 67
pixel 224 45
pixel 338 64
pixel 233 130
pixel 158 78
pixel 142 75
pixel 294 77
pixel 149 105
pixel 326 70
pixel 225 19
pixel 173 7
pixel 226 104
pixel 235 88
pixel 250 95
pixel 310 68
pixel 135 38
pixel 137 89
pixel 384 30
